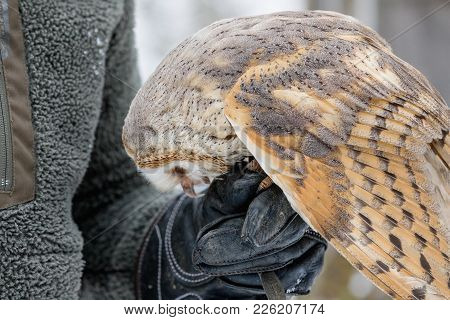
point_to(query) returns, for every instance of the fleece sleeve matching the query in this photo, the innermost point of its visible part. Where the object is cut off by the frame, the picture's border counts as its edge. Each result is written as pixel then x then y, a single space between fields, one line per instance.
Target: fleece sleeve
pixel 114 205
pixel 40 245
pixel 79 235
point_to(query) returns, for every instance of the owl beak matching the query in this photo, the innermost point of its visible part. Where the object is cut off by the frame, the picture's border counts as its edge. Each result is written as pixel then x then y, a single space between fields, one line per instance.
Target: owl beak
pixel 188 187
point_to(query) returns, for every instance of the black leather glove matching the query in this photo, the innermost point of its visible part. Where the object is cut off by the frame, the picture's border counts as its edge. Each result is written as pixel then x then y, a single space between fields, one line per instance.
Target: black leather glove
pixel 215 246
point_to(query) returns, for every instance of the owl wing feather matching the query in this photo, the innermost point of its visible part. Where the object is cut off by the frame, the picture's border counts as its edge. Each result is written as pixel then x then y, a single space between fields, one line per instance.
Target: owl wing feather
pixel 358 141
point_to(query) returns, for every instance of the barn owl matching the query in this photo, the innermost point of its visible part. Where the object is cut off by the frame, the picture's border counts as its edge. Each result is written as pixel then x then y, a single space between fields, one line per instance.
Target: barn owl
pixel 355 137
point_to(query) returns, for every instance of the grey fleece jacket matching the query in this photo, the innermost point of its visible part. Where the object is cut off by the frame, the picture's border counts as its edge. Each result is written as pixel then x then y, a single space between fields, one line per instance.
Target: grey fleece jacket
pixel 80 236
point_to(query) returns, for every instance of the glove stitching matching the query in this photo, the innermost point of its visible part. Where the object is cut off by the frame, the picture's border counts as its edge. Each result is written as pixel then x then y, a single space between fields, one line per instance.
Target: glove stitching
pixel 143 248
pixel 158 286
pixel 189 294
pixel 177 270
pixel 310 233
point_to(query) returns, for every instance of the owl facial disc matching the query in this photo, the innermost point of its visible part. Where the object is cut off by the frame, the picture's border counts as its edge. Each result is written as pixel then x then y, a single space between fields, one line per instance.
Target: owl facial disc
pixel 184 174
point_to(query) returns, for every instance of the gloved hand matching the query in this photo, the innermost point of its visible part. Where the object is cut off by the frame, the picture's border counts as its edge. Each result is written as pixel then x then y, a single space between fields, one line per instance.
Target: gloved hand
pixel 214 246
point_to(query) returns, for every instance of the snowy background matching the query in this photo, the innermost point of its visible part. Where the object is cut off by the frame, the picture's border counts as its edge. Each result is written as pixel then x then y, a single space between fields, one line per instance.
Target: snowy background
pixel 161 25
pixel 418 31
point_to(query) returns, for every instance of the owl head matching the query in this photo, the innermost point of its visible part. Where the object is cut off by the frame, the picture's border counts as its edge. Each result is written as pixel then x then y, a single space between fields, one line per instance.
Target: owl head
pixel 177 134
pixel 176 131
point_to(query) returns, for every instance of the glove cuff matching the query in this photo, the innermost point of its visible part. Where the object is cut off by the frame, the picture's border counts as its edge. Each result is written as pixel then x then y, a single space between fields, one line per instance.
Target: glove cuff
pixel 161 273
pixel 157 263
pixel 142 275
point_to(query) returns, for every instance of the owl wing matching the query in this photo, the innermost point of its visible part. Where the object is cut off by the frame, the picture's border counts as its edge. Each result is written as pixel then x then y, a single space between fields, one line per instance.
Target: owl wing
pixel 358 141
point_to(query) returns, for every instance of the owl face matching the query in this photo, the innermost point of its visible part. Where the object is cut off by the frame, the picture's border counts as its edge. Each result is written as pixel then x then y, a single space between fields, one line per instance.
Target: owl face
pixel 171 154
pixel 179 137
pixel 185 174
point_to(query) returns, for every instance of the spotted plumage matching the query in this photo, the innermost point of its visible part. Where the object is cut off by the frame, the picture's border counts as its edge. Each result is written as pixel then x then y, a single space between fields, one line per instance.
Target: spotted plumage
pixel 356 138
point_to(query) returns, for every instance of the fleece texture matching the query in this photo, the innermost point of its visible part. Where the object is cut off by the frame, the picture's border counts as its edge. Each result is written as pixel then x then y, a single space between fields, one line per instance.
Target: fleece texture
pixel 81 234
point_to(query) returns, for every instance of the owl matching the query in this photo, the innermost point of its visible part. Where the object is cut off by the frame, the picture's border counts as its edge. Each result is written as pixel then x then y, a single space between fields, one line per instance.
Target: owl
pixel 355 137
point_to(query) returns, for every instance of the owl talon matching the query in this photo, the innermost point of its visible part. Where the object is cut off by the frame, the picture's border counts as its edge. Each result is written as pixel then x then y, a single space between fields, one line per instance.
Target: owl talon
pixel 254 166
pixel 188 187
pixel 266 183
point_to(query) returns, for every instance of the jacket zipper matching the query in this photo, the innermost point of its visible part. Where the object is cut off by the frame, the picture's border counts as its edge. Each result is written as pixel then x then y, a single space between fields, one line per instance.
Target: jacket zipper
pixel 17 161
pixel 6 163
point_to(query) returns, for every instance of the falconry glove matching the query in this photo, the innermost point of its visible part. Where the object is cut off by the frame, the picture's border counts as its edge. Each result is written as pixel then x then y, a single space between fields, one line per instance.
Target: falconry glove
pixel 216 246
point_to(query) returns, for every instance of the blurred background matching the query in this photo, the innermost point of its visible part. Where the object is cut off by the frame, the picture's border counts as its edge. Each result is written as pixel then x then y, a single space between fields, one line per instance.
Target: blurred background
pixel 418 30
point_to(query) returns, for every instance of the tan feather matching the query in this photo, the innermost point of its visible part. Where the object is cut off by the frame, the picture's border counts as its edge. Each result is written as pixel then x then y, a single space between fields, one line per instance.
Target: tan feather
pixel 377 191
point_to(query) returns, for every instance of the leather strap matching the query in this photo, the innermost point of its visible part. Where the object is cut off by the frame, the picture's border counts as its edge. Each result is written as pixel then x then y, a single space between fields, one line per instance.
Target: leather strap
pixel 272 286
